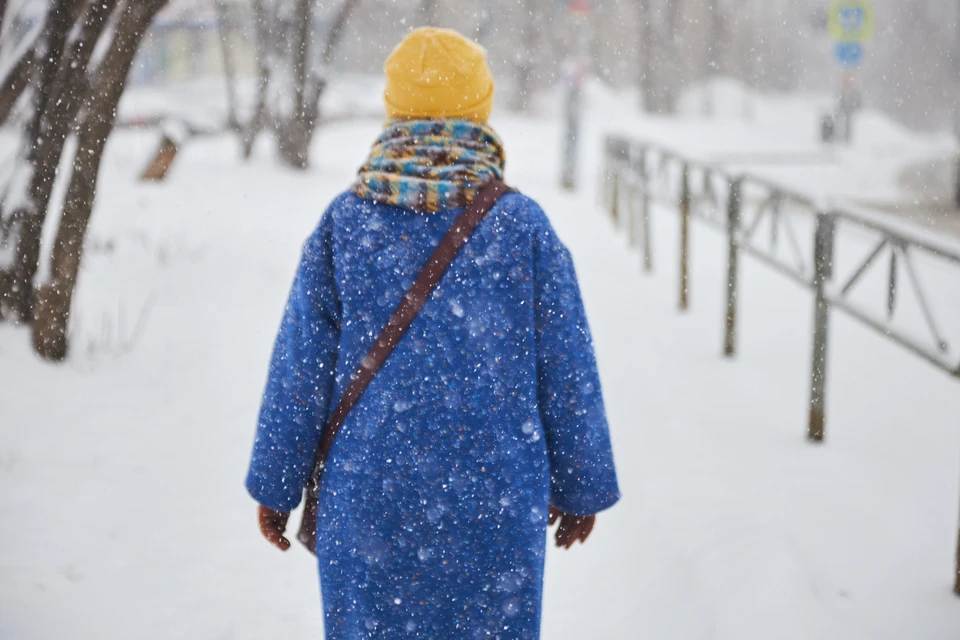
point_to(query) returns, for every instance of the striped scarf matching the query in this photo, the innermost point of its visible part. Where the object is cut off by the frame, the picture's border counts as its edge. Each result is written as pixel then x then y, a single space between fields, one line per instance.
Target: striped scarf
pixel 430 165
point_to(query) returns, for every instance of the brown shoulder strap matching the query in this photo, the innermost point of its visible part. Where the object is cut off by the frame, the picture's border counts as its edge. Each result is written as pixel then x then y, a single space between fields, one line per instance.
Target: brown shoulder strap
pixel 404 315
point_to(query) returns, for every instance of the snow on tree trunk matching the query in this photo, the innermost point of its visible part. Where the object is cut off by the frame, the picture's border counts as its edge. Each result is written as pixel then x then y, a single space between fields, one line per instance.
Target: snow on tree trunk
pixel 54 299
pixel 14 84
pixel 18 292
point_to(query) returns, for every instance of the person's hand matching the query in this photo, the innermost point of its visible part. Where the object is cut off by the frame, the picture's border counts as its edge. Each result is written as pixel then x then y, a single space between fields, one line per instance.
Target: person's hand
pixel 572 528
pixel 272 525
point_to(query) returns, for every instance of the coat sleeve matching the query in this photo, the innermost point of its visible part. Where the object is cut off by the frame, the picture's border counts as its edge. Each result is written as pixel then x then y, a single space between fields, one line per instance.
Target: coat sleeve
pixel 300 381
pixel 583 480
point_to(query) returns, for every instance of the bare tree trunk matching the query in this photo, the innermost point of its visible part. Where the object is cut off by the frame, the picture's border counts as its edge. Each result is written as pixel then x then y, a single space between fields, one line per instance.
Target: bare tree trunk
pixel 14 84
pixel 229 66
pixel 62 98
pixel 18 292
pixel 330 44
pixel 67 93
pixel 662 61
pixel 293 136
pixel 263 24
pixel 337 29
pixel 297 132
pixel 525 56
pixel 303 20
pixel 54 299
pixel 22 72
pixel 428 13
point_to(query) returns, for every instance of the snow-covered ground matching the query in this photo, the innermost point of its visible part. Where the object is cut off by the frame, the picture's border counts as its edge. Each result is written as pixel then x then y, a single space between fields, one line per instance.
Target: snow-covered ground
pixel 122 511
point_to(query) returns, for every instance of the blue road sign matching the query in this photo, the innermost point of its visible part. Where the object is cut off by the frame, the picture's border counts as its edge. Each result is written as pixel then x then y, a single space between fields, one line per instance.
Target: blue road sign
pixel 852 18
pixel 849 54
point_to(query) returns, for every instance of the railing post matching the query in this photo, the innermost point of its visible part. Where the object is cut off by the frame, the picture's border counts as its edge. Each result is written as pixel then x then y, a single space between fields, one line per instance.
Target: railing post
pixel 822 271
pixel 733 256
pixel 685 237
pixel 615 196
pixel 644 176
pixel 956 582
pixel 603 177
pixel 632 197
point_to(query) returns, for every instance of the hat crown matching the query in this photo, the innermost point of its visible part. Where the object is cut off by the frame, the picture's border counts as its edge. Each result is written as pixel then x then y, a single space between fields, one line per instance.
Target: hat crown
pixel 437 73
pixel 428 56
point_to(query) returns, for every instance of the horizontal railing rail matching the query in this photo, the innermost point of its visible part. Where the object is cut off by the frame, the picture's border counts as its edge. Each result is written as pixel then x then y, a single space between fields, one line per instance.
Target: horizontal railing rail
pixel 801 244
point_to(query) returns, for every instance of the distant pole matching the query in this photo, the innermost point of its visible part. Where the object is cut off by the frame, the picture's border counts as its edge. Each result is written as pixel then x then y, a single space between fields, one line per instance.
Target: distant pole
pixel 644 174
pixel 685 238
pixel 575 69
pixel 615 197
pixel 644 49
pixel 956 192
pixel 957 177
pixel 850 23
pixel 715 56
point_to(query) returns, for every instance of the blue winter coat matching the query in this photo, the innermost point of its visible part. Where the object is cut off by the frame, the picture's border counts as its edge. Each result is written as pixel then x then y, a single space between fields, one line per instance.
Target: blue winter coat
pixel 433 509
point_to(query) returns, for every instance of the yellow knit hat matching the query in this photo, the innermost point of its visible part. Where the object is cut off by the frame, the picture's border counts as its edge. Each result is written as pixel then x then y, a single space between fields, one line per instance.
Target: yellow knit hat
pixel 437 73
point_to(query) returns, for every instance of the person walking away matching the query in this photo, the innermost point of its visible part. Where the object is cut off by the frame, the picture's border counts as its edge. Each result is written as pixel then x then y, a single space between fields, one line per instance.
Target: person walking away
pixel 485 424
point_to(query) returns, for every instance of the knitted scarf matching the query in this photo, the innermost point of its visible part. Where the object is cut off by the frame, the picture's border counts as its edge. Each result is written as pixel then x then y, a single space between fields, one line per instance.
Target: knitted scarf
pixel 430 165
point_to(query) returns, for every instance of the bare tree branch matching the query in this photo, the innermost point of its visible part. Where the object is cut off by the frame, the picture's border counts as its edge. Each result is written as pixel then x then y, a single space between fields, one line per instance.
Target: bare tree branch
pixel 330 44
pixel 295 133
pixel 337 29
pixel 64 96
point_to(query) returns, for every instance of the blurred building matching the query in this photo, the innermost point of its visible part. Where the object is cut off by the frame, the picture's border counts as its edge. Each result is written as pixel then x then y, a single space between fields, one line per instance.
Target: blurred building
pixel 911 69
pixel 184 42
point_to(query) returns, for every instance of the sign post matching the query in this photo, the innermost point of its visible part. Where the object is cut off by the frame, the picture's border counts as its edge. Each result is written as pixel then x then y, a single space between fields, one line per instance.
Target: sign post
pixel 850 23
pixel 574 73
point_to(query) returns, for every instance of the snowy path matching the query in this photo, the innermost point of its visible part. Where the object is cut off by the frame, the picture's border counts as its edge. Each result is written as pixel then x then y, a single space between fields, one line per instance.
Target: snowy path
pixel 123 514
pixel 732 526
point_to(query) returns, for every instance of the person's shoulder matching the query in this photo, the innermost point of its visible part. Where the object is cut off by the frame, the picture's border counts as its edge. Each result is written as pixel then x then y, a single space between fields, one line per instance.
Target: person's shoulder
pixel 348 203
pixel 524 212
pixel 344 207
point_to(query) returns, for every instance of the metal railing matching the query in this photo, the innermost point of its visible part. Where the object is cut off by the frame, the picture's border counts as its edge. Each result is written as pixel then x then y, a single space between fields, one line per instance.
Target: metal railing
pixel 801 244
